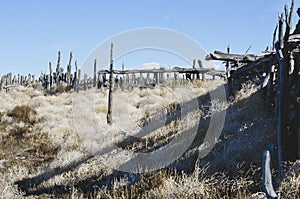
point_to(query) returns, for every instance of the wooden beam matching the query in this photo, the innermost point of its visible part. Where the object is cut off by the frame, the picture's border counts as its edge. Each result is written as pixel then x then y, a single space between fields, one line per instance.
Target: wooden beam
pixel 221 56
pixel 251 66
pixel 174 70
pixel 294 38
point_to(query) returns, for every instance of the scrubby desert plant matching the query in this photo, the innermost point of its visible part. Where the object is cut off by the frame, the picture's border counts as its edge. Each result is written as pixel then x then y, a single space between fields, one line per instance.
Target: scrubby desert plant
pixel 290 186
pixel 23 113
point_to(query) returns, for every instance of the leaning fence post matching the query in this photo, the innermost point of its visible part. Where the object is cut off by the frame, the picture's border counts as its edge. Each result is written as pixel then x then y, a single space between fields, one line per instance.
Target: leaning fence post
pixel 109 111
pixel 267 173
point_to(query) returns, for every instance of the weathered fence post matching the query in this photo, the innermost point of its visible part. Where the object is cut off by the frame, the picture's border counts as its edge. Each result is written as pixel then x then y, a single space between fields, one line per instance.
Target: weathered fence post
pixel 274 37
pixel 267 173
pixel 298 133
pixel 228 67
pixel 270 91
pixel 194 66
pixel 148 78
pixel 282 101
pixel 10 78
pixel 48 82
pixel 78 79
pixel 156 78
pixel 22 80
pixel 50 69
pixel 58 75
pixel 279 107
pixel 85 82
pixel 95 72
pixel 109 111
pixel 74 83
pixel 69 69
pixel 29 78
pixel 141 79
pixel 15 80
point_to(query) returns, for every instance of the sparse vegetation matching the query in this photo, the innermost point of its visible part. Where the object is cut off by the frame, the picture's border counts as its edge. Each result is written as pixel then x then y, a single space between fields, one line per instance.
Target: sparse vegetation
pixel 22 145
pixel 59 159
pixel 23 113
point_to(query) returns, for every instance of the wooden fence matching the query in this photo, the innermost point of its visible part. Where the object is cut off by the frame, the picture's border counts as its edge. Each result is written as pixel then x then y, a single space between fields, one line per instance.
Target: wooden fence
pixel 277 69
pixel 60 80
pixel 53 81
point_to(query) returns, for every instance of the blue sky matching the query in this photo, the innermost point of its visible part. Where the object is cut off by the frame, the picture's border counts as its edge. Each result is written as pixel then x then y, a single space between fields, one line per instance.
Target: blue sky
pixel 33 31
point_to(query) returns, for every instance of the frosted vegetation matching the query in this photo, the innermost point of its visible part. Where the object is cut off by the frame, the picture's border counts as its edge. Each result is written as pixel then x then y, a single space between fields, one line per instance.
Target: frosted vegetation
pixel 42 134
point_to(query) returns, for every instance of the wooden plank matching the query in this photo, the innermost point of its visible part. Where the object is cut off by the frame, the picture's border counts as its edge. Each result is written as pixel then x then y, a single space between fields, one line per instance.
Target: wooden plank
pixel 221 56
pixel 174 70
pixel 294 38
pixel 251 66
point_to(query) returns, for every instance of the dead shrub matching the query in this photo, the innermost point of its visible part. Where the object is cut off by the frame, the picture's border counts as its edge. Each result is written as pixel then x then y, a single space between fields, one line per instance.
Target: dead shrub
pixel 19 133
pixel 23 113
pixel 61 88
pixel 290 186
pixel 42 145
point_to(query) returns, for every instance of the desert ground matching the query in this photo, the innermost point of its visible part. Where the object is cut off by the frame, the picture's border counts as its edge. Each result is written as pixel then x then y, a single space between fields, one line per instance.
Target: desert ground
pixel 60 146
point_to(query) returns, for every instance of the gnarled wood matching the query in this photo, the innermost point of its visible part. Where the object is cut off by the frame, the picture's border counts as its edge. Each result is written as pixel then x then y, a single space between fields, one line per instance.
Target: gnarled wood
pixel 218 55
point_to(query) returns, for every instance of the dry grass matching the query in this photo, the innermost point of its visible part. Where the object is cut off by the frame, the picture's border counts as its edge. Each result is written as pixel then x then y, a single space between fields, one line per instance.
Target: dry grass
pixel 290 185
pixel 22 147
pixel 230 170
pixel 101 109
pixel 23 113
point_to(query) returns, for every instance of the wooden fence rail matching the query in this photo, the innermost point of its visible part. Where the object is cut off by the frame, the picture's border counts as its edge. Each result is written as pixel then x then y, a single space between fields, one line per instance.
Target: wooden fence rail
pixel 59 80
pixel 279 73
